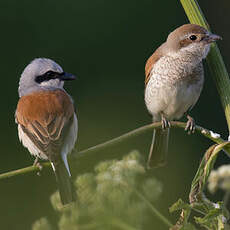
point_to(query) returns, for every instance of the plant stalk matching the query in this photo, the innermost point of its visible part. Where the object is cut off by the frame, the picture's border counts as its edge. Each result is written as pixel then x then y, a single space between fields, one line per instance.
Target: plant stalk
pixel 88 152
pixel 214 58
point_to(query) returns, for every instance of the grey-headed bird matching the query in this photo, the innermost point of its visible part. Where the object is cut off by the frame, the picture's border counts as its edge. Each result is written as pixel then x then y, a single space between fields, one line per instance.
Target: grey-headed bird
pixel 173 82
pixel 47 123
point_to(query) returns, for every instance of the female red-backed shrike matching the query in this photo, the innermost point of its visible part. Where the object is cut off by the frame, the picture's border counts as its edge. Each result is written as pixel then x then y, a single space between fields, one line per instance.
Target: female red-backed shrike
pixel 47 123
pixel 173 83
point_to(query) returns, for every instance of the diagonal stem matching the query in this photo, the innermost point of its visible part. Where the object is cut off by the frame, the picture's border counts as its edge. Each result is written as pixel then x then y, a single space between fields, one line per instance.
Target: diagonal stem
pixel 214 58
pixel 88 152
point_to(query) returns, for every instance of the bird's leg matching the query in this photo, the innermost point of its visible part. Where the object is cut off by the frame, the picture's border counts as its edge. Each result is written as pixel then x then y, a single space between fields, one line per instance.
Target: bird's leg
pixel 190 126
pixel 164 123
pixel 37 164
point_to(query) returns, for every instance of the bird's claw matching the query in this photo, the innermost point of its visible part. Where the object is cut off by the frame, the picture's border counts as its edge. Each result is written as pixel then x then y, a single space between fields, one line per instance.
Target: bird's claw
pixel 38 164
pixel 190 126
pixel 164 123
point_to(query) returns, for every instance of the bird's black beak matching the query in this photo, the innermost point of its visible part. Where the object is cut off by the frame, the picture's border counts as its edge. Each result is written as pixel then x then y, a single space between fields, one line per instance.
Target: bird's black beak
pixel 212 38
pixel 67 76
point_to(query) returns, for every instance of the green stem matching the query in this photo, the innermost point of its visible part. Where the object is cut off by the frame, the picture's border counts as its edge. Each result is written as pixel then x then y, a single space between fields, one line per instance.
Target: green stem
pixel 199 211
pixel 148 204
pixel 154 210
pixel 88 152
pixel 214 58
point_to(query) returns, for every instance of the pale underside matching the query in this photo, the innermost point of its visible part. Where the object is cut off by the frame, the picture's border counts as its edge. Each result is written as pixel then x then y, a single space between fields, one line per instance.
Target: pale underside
pixel 173 88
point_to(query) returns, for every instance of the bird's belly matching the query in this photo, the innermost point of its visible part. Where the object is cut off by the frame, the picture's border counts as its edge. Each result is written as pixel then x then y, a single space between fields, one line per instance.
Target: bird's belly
pixel 182 99
pixel 171 100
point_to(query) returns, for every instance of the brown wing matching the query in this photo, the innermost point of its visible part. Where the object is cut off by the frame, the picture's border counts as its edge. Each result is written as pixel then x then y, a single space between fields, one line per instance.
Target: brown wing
pixel 45 117
pixel 151 61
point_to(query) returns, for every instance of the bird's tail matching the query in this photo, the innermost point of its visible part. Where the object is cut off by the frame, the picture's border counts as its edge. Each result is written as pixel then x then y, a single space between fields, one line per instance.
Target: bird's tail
pixel 159 148
pixel 65 185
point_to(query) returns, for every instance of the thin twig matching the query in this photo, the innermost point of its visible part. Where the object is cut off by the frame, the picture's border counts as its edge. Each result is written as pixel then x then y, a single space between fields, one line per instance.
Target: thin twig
pixel 87 152
pixel 153 209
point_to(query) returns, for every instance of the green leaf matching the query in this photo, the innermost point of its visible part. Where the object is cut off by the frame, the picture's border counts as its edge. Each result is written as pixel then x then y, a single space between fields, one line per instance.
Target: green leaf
pixel 215 218
pixel 212 214
pixel 200 180
pixel 185 208
pixel 179 205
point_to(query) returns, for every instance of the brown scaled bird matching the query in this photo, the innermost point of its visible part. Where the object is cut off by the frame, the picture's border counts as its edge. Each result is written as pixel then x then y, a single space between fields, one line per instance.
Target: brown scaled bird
pixel 173 82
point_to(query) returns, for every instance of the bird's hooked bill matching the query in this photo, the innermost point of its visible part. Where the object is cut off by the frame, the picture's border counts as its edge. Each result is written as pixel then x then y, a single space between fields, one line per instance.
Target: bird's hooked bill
pixel 67 76
pixel 212 38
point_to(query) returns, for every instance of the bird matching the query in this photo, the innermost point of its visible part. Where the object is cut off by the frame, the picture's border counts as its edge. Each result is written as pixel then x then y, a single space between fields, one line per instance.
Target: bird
pixel 174 78
pixel 46 119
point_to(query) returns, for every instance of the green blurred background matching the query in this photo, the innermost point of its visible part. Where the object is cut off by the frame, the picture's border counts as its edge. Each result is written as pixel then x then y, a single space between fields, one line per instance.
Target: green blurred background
pixel 105 44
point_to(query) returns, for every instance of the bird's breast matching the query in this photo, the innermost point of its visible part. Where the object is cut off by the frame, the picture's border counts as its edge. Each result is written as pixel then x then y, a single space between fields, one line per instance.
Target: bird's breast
pixel 173 87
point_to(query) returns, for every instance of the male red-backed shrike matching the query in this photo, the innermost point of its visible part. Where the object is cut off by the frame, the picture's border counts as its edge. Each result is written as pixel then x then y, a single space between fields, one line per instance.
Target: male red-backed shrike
pixel 47 123
pixel 173 83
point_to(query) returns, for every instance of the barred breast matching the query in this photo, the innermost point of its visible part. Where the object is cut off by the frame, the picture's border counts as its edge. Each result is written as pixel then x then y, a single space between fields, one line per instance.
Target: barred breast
pixel 174 87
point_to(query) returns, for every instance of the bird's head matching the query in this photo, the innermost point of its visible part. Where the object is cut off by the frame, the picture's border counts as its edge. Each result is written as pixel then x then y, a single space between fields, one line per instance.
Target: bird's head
pixel 191 39
pixel 42 73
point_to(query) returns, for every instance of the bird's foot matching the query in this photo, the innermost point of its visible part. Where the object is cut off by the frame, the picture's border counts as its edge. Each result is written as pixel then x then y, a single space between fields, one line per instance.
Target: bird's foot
pixel 38 164
pixel 165 123
pixel 190 126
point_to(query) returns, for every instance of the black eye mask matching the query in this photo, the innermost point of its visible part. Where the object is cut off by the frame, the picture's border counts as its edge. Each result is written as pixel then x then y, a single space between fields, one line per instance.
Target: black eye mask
pixel 48 76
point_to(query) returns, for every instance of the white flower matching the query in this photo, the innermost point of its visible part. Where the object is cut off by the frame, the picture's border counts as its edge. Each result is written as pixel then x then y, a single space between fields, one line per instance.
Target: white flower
pixel 219 178
pixel 214 135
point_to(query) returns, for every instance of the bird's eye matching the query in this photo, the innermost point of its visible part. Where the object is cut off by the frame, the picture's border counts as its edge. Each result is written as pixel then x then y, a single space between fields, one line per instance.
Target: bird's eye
pixel 193 37
pixel 50 73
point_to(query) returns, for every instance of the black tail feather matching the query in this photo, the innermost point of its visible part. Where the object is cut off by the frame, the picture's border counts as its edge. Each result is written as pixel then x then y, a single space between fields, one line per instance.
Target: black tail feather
pixel 64 182
pixel 159 148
